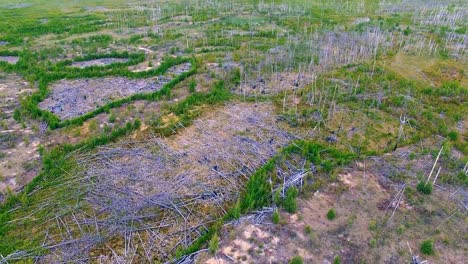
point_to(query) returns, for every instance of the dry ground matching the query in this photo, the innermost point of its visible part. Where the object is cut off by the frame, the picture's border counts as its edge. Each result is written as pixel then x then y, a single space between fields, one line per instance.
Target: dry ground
pixel 363 231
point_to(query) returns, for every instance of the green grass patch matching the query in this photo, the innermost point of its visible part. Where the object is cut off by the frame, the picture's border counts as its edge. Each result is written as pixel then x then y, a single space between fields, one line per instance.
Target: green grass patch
pixel 331 214
pixel 427 247
pixel 424 188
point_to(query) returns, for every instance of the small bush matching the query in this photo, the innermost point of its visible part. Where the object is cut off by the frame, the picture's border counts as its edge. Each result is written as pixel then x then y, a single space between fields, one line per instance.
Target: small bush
pixel 337 260
pixel 308 230
pixel 111 118
pixel 373 243
pixel 451 89
pixel 460 178
pixel 400 229
pixel 235 211
pixel 373 225
pixel 424 188
pixel 277 197
pixel 192 86
pixel 235 77
pixel 453 135
pixel 137 123
pixel 296 260
pixel 276 217
pixel 17 115
pixel 427 247
pixel 290 203
pixel 407 31
pixel 331 214
pixel 214 243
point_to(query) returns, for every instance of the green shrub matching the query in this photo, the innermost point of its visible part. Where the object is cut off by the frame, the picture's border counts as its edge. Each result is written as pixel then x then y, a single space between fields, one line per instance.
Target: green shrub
pixel 373 226
pixel 257 192
pixel 400 229
pixel 277 197
pixel 192 86
pixel 276 217
pixel 424 188
pixel 17 115
pixel 235 211
pixel 373 243
pixel 235 77
pixel 214 243
pixel 452 89
pixel 331 214
pixel 427 247
pixel 290 203
pixel 296 260
pixel 327 167
pixel 337 260
pixel 453 135
pixel 111 118
pixel 460 178
pixel 308 230
pixel 137 123
pixel 407 31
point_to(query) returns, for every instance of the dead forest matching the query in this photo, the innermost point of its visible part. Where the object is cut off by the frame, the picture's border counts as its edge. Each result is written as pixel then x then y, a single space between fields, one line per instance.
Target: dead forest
pixel 250 131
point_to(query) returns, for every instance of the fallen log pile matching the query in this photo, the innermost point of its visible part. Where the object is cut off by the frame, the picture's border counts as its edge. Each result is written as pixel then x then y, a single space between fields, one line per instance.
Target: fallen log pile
pixel 144 199
pixel 98 62
pixel 72 98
